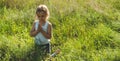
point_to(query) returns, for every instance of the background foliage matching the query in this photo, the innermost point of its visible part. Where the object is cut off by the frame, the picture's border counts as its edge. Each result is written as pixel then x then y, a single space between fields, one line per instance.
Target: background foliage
pixel 84 30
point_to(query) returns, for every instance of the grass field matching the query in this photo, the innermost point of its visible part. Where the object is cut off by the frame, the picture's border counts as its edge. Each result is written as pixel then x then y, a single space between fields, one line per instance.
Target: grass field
pixel 84 30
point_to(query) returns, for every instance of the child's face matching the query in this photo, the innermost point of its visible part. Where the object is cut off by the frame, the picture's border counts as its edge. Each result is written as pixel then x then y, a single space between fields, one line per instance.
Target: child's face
pixel 41 16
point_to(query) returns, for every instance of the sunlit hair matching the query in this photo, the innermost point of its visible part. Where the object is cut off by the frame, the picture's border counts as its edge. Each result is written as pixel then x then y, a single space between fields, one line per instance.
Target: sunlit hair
pixel 43 10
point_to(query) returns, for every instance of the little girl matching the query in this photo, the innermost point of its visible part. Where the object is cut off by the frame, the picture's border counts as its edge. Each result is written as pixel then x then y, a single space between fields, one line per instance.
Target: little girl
pixel 42 31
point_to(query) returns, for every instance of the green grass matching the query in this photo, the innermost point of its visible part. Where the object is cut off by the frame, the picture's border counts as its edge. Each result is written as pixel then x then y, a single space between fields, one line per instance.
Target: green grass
pixel 84 30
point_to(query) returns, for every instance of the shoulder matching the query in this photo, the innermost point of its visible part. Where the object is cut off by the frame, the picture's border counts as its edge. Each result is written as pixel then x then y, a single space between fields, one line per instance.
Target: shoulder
pixel 34 22
pixel 49 23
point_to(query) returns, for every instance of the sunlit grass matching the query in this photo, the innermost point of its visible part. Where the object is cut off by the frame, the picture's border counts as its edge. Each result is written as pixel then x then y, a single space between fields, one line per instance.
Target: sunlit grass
pixel 84 30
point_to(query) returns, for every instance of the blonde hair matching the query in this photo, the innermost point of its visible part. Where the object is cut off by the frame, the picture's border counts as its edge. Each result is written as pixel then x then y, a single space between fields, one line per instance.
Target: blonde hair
pixel 43 10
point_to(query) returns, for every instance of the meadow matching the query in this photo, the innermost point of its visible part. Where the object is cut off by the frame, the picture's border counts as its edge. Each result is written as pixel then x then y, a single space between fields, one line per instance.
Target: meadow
pixel 84 30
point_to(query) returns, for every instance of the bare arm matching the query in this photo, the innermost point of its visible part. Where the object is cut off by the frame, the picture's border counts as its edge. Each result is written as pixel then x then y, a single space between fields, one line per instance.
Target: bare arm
pixel 33 32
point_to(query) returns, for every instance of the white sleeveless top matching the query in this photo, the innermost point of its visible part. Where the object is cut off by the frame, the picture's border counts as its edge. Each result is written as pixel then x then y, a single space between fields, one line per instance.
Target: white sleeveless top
pixel 39 38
